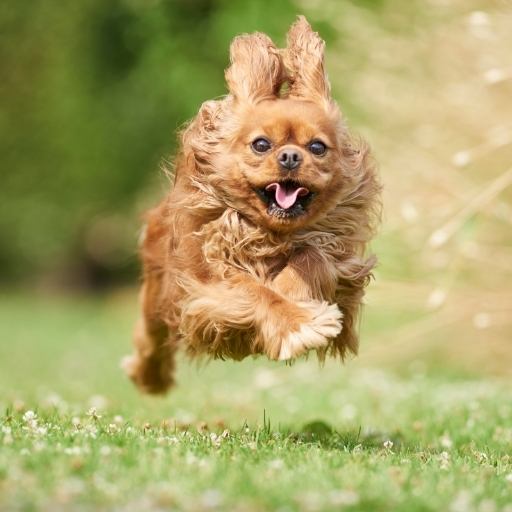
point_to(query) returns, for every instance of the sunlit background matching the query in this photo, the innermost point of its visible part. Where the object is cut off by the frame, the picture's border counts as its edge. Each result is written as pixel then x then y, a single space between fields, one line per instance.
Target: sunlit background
pixel 91 95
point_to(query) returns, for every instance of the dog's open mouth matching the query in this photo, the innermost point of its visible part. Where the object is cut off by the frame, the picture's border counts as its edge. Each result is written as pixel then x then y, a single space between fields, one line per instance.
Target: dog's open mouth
pixel 286 199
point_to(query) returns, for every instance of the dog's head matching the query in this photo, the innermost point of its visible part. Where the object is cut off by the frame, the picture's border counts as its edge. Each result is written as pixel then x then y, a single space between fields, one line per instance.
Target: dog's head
pixel 280 157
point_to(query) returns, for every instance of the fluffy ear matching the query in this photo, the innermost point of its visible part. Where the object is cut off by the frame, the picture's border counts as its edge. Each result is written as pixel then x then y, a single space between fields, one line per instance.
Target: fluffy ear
pixel 304 58
pixel 256 72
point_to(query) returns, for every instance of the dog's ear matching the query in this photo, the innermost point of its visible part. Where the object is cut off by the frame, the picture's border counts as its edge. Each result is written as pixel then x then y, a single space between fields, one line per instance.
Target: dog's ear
pixel 256 72
pixel 304 58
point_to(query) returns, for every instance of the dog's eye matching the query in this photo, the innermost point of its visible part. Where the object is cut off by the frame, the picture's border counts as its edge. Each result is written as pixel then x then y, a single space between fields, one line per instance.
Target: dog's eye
pixel 318 148
pixel 261 145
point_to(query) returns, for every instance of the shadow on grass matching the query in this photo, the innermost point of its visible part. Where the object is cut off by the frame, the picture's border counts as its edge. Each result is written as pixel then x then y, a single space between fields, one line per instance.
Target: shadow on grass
pixel 326 436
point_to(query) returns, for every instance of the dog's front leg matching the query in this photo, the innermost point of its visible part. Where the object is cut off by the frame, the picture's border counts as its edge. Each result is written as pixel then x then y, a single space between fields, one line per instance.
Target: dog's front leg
pixel 308 275
pixel 240 311
pixel 313 275
pixel 310 279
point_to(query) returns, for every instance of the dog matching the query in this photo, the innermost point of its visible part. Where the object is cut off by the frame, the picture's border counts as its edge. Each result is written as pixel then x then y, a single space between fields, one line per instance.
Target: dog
pixel 260 247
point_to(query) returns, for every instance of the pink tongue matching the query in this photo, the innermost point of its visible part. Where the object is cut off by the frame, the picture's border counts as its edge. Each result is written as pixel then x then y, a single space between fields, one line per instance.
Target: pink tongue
pixel 286 194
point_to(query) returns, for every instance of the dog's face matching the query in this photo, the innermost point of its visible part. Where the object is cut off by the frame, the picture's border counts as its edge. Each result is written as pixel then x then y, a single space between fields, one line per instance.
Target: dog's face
pixel 279 158
pixel 284 163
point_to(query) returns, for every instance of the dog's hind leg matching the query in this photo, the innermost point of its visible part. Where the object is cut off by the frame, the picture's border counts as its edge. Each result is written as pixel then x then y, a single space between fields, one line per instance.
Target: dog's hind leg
pixel 151 367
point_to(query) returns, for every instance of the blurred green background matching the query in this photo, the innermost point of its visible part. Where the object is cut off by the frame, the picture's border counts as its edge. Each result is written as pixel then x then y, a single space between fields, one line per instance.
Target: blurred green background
pixel 93 91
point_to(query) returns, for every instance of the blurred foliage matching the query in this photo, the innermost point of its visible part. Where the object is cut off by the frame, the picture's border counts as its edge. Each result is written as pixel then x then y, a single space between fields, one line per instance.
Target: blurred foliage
pixel 90 97
pixel 92 93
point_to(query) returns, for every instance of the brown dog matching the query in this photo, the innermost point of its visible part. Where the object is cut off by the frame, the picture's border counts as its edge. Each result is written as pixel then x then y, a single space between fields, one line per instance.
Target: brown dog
pixel 259 248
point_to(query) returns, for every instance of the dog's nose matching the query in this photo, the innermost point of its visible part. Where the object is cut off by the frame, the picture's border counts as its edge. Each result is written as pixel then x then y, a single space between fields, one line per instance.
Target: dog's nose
pixel 289 159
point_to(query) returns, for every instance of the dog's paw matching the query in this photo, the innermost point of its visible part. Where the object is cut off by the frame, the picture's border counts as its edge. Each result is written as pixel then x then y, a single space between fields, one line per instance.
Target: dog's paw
pixel 325 323
pixel 130 365
pixel 150 374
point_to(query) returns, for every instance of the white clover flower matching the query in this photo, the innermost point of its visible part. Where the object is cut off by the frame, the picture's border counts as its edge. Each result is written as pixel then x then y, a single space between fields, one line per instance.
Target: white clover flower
pixel 112 428
pixel 29 416
pixel 91 431
pixel 444 457
pixel 7 431
pixel 388 444
pixel 93 414
pixel 31 423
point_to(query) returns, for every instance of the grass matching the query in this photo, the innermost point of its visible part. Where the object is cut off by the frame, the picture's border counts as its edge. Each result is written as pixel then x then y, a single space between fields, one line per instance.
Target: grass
pixel 98 464
pixel 420 421
pixel 250 436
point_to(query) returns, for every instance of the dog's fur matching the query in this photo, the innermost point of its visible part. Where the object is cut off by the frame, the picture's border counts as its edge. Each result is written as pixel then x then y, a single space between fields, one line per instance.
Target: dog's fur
pixel 228 271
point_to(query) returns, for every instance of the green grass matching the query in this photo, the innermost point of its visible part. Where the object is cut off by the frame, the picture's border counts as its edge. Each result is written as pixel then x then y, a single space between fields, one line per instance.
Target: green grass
pixel 248 436
pixel 418 83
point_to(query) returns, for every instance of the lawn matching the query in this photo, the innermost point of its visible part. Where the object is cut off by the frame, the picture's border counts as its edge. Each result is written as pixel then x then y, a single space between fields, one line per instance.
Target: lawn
pixel 75 435
pixel 421 420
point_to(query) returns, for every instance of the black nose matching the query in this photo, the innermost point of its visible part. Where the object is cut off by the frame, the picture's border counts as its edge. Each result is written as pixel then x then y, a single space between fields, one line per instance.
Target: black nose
pixel 289 159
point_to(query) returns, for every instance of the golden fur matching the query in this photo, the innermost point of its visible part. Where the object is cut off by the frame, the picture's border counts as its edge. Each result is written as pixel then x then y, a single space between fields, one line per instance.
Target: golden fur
pixel 230 270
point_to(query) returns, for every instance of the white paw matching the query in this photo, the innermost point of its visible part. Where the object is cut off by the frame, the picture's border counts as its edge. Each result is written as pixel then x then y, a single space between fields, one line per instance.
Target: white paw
pixel 325 324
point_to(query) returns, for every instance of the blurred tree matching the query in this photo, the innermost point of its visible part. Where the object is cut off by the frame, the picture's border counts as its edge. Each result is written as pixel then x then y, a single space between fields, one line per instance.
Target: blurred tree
pixel 90 96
